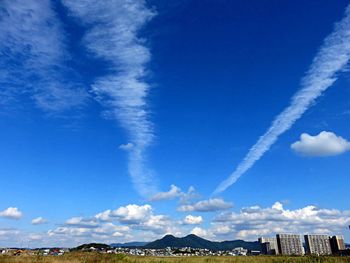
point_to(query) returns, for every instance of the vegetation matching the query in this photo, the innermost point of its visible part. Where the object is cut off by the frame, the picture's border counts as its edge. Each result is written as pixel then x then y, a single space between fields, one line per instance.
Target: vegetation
pixel 88 257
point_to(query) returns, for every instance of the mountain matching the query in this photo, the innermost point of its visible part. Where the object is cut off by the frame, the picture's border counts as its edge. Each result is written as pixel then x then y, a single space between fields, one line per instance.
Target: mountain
pixel 129 244
pixel 198 242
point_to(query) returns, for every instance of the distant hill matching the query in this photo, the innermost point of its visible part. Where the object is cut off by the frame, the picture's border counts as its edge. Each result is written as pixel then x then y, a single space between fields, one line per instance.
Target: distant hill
pixel 198 242
pixel 129 244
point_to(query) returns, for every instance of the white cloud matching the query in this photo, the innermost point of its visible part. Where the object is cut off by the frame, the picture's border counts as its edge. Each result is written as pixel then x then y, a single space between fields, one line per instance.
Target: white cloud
pixel 174 192
pixel 138 217
pixel 323 144
pixel 248 223
pixel 39 220
pixel 331 59
pixel 126 223
pixel 126 147
pixel 210 205
pixel 81 222
pixel 132 214
pixel 252 222
pixel 113 37
pixel 193 220
pixel 190 195
pixel 203 233
pixel 11 213
pixel 104 216
pixel 32 41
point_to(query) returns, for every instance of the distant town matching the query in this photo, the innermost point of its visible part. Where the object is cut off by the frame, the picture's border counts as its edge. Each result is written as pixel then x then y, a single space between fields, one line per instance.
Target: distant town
pixel 281 244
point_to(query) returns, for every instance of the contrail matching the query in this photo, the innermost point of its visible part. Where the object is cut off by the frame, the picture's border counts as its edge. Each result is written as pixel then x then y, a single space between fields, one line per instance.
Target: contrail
pixel 112 35
pixel 332 58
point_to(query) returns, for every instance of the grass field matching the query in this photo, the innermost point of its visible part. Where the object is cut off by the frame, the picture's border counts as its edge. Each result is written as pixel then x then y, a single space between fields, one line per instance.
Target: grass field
pixel 95 257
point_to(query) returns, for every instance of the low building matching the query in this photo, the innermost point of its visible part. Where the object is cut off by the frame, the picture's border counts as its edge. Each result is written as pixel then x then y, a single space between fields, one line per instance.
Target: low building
pixel 240 251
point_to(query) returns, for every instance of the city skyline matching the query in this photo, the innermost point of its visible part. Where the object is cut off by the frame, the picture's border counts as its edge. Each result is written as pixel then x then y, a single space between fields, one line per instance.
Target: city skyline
pixel 129 120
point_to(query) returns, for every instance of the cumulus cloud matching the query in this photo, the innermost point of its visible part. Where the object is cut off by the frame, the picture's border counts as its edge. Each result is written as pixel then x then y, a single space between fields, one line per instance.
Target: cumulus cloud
pixel 130 222
pixel 252 222
pixel 39 221
pixel 323 144
pixel 75 234
pixel 112 36
pixel 189 196
pixel 247 223
pixel 174 192
pixel 105 215
pixel 137 217
pixel 210 205
pixel 11 213
pixel 203 233
pixel 132 214
pixel 331 59
pixel 192 220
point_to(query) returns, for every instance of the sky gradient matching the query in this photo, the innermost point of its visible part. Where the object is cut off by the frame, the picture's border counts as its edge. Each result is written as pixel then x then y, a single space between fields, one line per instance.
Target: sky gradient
pixel 119 121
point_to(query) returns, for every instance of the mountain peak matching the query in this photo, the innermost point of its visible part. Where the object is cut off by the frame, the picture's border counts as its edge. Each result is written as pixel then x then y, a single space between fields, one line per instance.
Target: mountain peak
pixel 191 235
pixel 169 236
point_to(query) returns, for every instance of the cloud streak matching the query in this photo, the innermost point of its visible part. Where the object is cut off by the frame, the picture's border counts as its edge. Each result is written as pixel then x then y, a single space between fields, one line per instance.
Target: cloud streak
pixel 33 58
pixel 332 58
pixel 112 35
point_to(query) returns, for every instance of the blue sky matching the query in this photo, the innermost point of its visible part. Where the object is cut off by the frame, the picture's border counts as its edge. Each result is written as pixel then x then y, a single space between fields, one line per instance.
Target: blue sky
pixel 119 121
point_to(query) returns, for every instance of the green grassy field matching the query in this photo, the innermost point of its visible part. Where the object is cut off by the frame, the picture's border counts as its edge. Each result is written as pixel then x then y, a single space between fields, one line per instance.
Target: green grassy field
pixel 94 257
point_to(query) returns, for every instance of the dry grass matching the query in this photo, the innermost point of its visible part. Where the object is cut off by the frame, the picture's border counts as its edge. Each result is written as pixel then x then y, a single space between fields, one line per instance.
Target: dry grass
pixel 96 258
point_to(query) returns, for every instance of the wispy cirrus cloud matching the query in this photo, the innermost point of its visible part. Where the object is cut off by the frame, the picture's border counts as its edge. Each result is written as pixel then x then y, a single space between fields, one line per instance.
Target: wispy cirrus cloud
pixel 112 35
pixel 331 59
pixel 33 57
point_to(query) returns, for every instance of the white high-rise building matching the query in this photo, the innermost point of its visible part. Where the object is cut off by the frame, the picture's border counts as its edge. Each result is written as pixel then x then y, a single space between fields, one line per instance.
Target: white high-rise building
pixel 337 244
pixel 289 244
pixel 269 245
pixel 318 244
